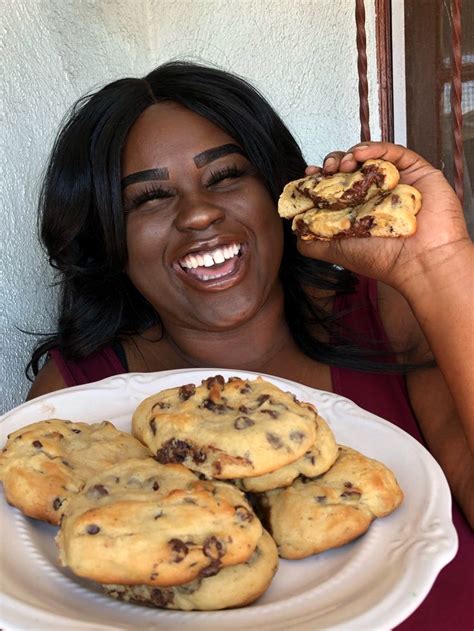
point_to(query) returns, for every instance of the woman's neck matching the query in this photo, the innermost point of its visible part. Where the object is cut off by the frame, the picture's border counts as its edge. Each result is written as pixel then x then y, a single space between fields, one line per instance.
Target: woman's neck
pixel 250 346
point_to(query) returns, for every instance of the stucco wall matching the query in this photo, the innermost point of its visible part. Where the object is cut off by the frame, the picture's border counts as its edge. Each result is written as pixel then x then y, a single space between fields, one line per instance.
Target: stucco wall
pixel 301 54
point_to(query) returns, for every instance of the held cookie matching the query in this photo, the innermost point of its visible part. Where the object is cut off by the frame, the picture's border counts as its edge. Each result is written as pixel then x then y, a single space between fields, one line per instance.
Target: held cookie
pixel 315 461
pixel 45 463
pixel 313 515
pixel 141 522
pixel 233 586
pixel 226 430
pixel 340 190
pixel 369 202
pixel 391 216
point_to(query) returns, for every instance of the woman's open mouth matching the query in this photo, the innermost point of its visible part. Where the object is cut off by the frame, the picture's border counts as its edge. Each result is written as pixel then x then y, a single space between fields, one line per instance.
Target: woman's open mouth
pixel 210 265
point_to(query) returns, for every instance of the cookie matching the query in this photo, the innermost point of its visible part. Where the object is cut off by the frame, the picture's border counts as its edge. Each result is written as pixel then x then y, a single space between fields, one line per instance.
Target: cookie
pixel 226 430
pixel 375 178
pixel 45 463
pixel 314 515
pixel 315 461
pixel 141 522
pixel 391 216
pixel 233 586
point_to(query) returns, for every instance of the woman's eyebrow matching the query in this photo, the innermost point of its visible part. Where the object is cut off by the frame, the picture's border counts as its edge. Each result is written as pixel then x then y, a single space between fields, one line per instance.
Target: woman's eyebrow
pixel 145 176
pixel 203 158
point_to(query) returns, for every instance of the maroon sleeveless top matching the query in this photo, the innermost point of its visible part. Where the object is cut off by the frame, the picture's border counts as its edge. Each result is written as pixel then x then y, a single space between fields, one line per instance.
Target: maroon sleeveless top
pixel 448 606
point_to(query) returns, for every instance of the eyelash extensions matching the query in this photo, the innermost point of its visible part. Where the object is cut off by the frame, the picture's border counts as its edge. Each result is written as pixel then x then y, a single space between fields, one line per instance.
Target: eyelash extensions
pixel 156 191
pixel 224 173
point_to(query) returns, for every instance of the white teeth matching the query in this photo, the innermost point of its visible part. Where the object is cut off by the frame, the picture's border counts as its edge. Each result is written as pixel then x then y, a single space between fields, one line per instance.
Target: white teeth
pixel 218 256
pixel 208 259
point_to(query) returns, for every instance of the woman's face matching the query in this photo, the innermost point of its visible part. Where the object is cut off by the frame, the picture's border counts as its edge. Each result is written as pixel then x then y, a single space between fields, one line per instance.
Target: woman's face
pixel 203 234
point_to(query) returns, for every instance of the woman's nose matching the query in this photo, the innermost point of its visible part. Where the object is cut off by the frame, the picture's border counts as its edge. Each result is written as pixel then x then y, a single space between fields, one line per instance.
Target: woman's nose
pixel 198 213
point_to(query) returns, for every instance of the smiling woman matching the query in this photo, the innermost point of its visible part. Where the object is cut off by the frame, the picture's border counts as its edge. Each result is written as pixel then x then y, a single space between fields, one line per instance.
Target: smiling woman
pixel 194 236
pixel 159 213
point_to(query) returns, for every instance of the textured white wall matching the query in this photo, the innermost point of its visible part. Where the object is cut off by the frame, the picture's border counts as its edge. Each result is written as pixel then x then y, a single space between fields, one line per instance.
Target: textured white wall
pixel 301 54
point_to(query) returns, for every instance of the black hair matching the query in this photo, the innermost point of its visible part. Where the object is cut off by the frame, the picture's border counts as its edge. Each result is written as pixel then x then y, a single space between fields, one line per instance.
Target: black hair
pixel 82 223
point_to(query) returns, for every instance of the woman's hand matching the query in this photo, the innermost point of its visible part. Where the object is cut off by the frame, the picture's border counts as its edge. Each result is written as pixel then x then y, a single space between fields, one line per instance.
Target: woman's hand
pixel 441 231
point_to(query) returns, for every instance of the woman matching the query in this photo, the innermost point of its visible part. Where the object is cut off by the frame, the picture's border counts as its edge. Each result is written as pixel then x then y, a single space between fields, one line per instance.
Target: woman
pixel 159 211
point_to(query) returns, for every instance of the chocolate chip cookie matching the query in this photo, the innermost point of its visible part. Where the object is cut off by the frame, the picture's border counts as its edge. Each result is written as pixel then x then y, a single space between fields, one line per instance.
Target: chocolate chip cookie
pixel 315 461
pixel 340 190
pixel 226 430
pixel 316 514
pixel 367 202
pixel 233 586
pixel 141 522
pixel 391 216
pixel 45 463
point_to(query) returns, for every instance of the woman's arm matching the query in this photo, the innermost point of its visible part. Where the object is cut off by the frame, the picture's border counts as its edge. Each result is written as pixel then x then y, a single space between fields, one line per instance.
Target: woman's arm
pixel 433 270
pixel 430 399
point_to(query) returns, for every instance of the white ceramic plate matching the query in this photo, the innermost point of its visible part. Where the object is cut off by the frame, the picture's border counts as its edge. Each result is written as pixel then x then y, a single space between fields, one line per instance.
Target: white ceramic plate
pixel 373 583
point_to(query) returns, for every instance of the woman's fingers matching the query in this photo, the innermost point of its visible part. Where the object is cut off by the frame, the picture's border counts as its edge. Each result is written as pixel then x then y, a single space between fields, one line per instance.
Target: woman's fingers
pixel 407 161
pixel 332 162
pixel 404 159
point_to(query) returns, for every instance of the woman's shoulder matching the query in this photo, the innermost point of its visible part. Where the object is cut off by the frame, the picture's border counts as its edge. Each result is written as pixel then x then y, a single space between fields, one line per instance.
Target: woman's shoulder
pixel 48 379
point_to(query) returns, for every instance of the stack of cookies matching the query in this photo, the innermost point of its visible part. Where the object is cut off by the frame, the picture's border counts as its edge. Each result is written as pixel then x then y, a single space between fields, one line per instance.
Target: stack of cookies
pixel 179 515
pixel 310 493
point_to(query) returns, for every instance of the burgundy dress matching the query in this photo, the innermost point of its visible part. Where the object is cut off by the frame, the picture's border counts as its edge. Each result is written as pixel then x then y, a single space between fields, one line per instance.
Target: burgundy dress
pixel 448 606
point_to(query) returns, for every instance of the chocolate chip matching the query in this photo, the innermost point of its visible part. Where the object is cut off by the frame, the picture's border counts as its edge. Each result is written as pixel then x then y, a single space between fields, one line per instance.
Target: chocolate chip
pixel 174 450
pixel 348 485
pixel 214 548
pixel 243 514
pixel 274 440
pixel 155 486
pixel 211 570
pixel 162 405
pixel 158 515
pixel 212 381
pixel 244 409
pixel 97 491
pixel 262 398
pixel 209 404
pixel 245 389
pixel 58 502
pixel 161 597
pixel 242 422
pixel 311 457
pixel 187 391
pixel 76 431
pixel 153 426
pixel 38 444
pixel 320 499
pixel 270 413
pixel 297 436
pixel 180 550
pixel 92 529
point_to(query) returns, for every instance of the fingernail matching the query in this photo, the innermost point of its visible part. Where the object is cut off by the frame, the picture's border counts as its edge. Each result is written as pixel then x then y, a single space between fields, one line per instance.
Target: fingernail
pixel 347 157
pixel 362 147
pixel 329 165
